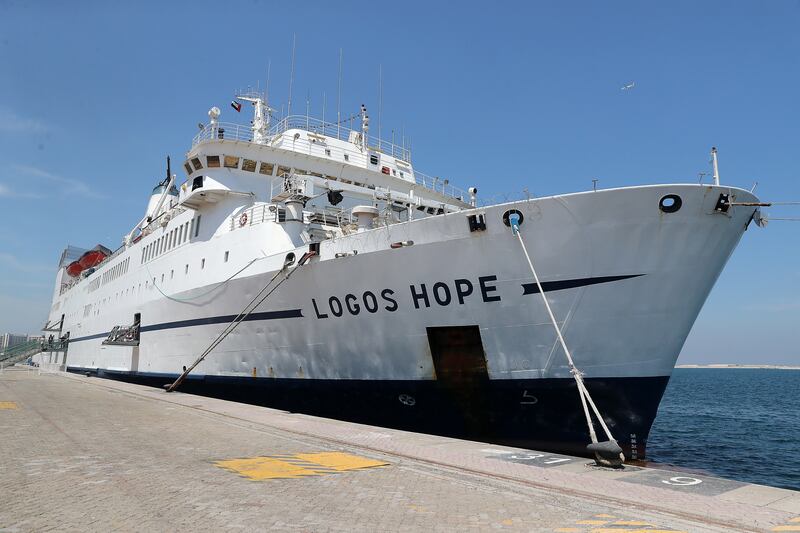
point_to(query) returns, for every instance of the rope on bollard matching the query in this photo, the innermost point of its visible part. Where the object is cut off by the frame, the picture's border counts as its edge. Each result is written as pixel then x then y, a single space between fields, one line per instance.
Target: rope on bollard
pixel 606 453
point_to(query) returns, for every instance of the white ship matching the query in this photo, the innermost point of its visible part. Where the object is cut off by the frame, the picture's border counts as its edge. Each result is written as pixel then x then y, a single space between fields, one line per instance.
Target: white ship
pixel 394 298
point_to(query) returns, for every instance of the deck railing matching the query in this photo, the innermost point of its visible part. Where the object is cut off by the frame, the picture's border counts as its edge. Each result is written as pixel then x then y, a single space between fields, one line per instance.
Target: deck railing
pixel 239 132
pixel 440 185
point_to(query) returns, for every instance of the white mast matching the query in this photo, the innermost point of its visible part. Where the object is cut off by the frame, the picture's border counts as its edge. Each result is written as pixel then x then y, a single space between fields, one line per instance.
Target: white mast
pixel 339 97
pixel 260 116
pixel 291 78
pixel 364 126
pixel 714 163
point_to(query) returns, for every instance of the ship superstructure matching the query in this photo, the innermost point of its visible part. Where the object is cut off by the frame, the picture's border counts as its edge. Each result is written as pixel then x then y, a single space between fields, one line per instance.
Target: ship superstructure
pixel 408 304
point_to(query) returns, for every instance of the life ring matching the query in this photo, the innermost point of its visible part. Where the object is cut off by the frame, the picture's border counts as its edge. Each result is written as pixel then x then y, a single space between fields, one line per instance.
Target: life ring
pixel 243 220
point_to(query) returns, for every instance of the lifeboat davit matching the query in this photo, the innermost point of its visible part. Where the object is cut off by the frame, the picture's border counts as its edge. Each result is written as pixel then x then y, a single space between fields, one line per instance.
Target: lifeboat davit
pixel 93 257
pixel 74 269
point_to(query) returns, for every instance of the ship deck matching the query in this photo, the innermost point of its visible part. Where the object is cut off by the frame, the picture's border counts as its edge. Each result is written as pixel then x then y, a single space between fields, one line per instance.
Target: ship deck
pixel 83 453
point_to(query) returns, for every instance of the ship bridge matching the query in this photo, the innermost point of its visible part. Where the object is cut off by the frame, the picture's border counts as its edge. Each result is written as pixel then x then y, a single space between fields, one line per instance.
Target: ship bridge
pixel 334 142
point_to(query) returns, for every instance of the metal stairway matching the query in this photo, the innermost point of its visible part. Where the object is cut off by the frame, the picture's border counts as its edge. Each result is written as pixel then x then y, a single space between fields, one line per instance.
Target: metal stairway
pixel 20 352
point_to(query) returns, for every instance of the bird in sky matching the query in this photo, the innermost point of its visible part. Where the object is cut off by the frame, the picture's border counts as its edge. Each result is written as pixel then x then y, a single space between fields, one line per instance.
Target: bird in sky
pixel 629 86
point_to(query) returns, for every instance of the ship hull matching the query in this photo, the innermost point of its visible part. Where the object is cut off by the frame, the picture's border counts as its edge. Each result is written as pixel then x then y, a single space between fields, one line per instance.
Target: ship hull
pixel 548 418
pixel 453 321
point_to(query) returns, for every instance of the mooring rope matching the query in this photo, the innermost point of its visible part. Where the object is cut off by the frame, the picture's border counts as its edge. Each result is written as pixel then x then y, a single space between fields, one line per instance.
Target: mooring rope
pixel 582 390
pixel 248 309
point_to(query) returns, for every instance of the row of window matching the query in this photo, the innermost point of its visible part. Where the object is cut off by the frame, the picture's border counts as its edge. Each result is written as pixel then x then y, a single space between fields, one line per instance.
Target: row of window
pixel 116 271
pixel 250 165
pixel 232 161
pixel 96 307
pixel 93 285
pixel 147 285
pixel 171 239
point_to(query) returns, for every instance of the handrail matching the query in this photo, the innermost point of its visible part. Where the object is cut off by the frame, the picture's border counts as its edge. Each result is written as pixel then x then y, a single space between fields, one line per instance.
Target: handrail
pixel 33 346
pixel 439 185
pixel 239 132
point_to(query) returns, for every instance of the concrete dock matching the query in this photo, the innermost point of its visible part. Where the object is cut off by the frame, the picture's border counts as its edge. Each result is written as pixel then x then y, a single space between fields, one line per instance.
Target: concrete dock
pixel 80 453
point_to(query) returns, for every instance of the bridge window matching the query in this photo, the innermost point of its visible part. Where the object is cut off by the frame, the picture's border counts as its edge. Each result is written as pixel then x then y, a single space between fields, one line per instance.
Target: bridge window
pixel 249 165
pixel 231 161
pixel 188 168
pixel 196 163
pixel 266 168
pixel 212 161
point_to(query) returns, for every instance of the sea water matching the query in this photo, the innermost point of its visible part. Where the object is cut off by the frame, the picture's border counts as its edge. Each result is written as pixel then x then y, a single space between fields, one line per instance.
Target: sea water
pixel 741 424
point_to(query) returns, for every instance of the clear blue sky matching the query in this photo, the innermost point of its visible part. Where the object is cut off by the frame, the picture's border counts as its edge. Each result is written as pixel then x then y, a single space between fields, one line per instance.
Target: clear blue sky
pixel 498 95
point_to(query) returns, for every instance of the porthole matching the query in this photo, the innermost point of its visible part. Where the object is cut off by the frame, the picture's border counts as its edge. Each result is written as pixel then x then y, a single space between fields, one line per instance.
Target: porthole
pixel 670 203
pixel 507 215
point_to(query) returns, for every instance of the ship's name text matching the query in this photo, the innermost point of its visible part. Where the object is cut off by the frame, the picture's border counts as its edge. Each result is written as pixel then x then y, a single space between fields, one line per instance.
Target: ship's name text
pixel 421 296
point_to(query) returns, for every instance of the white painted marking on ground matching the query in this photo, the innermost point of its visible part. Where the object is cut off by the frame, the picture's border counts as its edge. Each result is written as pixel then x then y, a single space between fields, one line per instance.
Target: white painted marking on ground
pixel 682 481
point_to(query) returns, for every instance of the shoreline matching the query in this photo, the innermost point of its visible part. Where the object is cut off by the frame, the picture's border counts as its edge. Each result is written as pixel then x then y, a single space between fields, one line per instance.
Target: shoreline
pixel 745 366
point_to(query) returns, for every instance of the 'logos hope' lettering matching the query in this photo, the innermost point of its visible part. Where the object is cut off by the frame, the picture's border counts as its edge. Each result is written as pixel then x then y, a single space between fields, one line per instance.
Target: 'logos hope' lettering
pixel 440 294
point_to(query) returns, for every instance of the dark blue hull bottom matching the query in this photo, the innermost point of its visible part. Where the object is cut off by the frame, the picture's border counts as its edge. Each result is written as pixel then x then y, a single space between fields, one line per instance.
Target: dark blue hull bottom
pixel 540 414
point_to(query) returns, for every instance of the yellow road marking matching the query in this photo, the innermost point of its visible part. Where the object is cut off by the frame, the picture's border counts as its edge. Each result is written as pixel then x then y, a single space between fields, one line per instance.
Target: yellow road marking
pixel 632 523
pixel 8 405
pixel 297 465
pixel 795 519
pixel 786 528
pixel 617 530
pixel 260 468
pixel 507 522
pixel 339 461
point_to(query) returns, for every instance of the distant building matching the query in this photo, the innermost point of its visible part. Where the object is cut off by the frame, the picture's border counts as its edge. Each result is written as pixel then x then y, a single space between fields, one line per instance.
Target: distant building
pixel 7 340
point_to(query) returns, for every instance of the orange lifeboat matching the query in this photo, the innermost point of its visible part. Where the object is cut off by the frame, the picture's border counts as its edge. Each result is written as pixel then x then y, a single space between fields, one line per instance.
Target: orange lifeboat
pixel 74 269
pixel 92 258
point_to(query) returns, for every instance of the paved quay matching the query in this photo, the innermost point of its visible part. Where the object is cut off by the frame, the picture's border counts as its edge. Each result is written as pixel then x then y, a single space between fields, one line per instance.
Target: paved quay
pixel 89 454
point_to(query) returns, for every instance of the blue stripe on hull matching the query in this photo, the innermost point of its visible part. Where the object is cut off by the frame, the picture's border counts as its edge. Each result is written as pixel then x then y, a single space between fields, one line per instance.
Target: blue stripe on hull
pixel 540 414
pixel 223 319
